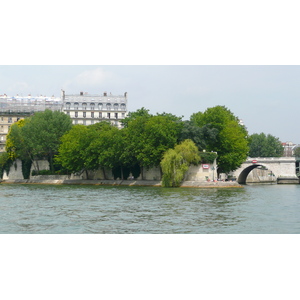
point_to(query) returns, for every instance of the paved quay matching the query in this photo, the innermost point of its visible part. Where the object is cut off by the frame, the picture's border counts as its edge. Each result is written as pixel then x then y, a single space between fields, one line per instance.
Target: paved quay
pixel 186 184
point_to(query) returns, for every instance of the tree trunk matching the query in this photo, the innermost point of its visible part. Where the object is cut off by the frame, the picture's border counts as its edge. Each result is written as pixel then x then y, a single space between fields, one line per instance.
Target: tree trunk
pixel 104 174
pixel 122 175
pixel 142 172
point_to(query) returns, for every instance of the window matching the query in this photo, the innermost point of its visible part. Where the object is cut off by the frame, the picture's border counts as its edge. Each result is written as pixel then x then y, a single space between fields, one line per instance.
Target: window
pixel 84 114
pixel 92 106
pixel 100 106
pixel 92 114
pixel 76 114
pixel 76 105
pixel 84 106
pixel 116 115
pixel 108 106
pixel 116 106
pixel 68 105
pixel 108 115
pixel 10 120
pixel 100 115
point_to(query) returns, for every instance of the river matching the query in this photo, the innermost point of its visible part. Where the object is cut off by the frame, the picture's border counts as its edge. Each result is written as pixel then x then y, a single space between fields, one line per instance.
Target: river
pixel 155 210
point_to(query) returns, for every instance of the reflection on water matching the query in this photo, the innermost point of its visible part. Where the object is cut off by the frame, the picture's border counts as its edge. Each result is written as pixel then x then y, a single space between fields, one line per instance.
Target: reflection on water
pixel 102 209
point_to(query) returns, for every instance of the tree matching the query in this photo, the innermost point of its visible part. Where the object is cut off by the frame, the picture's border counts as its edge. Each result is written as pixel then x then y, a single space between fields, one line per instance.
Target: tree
pixel 231 139
pixel 176 162
pixel 148 137
pixel 142 112
pixel 40 135
pixel 201 136
pixel 15 144
pixel 262 145
pixel 105 150
pixel 5 163
pixel 72 154
pixel 83 147
pixel 297 152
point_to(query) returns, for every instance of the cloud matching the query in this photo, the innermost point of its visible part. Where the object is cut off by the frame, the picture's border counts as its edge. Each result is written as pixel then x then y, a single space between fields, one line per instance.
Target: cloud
pixel 89 79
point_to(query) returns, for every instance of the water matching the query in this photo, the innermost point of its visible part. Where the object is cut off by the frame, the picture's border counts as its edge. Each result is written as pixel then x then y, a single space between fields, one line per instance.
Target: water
pixel 115 209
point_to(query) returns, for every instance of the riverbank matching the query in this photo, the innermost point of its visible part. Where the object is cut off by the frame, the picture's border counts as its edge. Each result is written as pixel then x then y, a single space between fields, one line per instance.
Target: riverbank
pixel 191 184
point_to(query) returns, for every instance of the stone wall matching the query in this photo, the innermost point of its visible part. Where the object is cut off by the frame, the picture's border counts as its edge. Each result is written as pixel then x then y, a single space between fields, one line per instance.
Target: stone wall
pixel 200 173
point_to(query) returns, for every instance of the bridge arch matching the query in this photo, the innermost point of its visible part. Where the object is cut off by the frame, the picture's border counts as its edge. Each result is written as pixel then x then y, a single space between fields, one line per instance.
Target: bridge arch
pixel 242 178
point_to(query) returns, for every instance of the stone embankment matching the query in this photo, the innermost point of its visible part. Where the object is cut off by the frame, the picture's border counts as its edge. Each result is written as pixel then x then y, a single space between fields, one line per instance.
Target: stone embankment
pixel 190 184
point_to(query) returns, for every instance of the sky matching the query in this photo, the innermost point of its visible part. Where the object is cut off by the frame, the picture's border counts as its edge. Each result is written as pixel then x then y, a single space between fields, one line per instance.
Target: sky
pixel 265 97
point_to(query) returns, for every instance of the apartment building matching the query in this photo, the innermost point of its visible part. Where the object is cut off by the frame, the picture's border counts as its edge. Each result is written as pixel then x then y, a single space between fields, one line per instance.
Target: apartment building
pixel 87 109
pixel 12 109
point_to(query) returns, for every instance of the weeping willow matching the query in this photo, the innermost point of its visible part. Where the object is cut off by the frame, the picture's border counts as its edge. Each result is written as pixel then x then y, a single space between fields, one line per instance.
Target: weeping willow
pixel 176 162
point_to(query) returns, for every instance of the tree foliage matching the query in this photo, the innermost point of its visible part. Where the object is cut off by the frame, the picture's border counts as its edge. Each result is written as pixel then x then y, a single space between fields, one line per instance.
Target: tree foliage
pixel 148 137
pixel 297 152
pixel 176 162
pixel 142 143
pixel 5 163
pixel 72 151
pixel 16 146
pixel 262 145
pixel 38 136
pixel 230 141
pixel 201 136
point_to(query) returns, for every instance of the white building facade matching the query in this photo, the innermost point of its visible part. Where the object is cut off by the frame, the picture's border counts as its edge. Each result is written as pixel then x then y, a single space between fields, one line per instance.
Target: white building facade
pixel 87 109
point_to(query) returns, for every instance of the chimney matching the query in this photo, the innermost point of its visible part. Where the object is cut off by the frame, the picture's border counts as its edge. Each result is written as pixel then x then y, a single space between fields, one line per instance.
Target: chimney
pixel 81 93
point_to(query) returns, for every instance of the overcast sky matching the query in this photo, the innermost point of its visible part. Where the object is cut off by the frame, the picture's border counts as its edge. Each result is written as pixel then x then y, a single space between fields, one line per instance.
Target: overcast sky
pixel 266 98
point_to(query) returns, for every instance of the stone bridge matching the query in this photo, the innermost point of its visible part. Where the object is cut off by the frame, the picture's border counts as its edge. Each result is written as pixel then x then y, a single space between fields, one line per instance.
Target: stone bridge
pixel 282 169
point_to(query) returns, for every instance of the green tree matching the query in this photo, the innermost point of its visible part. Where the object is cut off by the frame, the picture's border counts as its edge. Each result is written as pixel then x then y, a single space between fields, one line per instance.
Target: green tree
pixel 201 136
pixel 297 152
pixel 5 163
pixel 38 136
pixel 262 145
pixel 142 112
pixel 72 150
pixel 231 140
pixel 105 150
pixel 148 137
pixel 15 146
pixel 176 162
pixel 82 147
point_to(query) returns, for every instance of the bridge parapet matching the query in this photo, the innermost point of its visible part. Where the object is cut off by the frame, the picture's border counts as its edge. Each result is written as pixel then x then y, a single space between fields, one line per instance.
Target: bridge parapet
pixel 271 159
